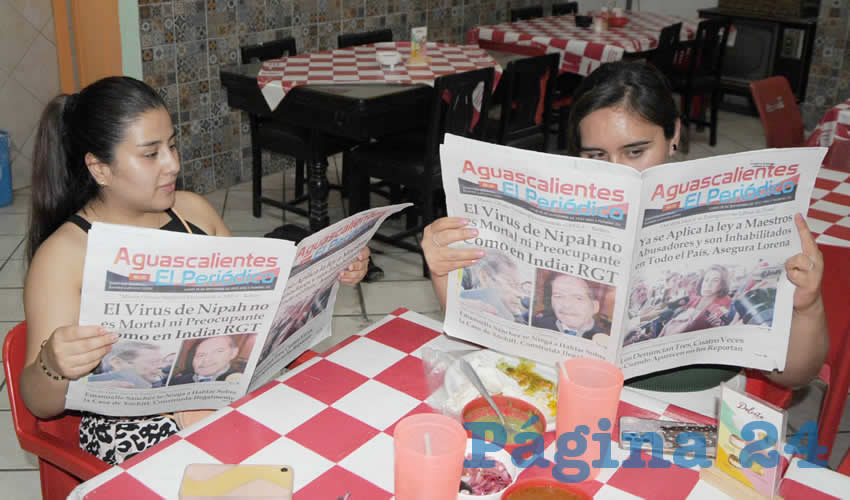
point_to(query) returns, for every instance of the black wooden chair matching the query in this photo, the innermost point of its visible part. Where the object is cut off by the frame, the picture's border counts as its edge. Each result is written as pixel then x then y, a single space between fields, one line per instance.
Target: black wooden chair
pixel 565 86
pixel 525 13
pixel 562 9
pixel 526 104
pixel 702 59
pixel 268 50
pixel 664 56
pixel 276 136
pixel 351 39
pixel 413 160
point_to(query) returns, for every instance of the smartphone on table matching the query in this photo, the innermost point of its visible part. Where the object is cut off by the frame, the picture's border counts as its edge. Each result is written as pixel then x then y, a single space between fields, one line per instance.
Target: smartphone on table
pixel 234 482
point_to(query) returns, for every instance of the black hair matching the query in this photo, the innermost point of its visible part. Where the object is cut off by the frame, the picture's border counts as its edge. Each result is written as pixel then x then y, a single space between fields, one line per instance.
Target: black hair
pixel 724 279
pixel 637 86
pixel 93 121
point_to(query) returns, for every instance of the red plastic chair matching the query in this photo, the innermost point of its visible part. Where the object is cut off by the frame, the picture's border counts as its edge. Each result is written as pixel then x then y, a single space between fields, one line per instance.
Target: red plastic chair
pixel 844 467
pixel 61 462
pixel 764 388
pixel 836 370
pixel 780 116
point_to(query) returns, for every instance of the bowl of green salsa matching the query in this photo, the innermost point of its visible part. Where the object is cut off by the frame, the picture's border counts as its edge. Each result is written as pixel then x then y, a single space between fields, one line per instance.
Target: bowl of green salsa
pixel 516 411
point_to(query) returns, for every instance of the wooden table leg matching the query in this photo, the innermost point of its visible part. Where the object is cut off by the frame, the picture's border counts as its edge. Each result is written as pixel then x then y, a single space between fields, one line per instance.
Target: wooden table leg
pixel 318 188
pixel 256 169
pixel 317 182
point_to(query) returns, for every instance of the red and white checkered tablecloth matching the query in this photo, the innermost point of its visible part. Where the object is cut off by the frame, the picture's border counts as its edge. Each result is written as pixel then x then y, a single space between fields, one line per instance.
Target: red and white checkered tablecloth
pixel 829 211
pixel 800 480
pixel 332 420
pixel 359 65
pixel 833 132
pixel 582 50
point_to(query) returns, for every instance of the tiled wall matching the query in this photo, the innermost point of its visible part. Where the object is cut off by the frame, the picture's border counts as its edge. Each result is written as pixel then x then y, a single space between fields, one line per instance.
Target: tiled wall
pixel 29 76
pixel 829 77
pixel 185 42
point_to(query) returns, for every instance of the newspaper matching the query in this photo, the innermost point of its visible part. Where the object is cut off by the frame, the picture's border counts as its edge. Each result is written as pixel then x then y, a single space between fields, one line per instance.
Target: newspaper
pixel 201 320
pixel 680 264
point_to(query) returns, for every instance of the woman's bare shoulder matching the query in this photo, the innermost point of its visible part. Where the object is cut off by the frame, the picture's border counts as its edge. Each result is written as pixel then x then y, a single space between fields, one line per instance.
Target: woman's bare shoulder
pixel 60 256
pixel 197 210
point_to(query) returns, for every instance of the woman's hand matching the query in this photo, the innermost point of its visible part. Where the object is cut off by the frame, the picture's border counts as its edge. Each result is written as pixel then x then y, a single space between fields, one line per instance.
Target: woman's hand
pixel 74 351
pixel 805 269
pixel 436 239
pixel 356 270
pixel 809 340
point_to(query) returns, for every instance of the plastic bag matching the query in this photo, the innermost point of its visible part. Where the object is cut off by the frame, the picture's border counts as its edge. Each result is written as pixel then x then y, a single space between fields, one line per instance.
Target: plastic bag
pixel 451 390
pixel 436 364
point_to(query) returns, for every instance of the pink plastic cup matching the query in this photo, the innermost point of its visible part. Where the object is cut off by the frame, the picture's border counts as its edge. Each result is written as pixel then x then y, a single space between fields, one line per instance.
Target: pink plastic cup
pixel 589 392
pixel 420 475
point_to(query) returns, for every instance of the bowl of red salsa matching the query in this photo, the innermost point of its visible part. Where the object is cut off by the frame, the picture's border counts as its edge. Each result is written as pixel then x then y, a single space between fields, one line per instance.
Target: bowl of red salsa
pixel 543 489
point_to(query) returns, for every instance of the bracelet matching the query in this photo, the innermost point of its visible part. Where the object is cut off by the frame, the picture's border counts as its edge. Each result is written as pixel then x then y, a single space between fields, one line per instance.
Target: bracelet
pixel 44 366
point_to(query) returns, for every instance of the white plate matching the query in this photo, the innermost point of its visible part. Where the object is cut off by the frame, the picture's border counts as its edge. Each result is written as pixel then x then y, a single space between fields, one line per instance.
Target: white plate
pixel 460 391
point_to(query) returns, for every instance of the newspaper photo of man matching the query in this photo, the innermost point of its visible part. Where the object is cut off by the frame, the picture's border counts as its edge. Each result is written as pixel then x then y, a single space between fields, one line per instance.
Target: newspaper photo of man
pixel 211 359
pixel 572 306
pixel 493 285
pixel 132 365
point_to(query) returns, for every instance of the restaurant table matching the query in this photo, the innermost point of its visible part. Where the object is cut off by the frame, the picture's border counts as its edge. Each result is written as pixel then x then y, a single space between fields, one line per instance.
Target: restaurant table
pixel 332 418
pixel 829 211
pixel 582 49
pixel 833 132
pixel 345 93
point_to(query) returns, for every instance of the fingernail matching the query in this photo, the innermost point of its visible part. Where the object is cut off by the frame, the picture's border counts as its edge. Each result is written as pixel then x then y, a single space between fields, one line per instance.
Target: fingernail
pixel 471 232
pixel 113 337
pixel 480 253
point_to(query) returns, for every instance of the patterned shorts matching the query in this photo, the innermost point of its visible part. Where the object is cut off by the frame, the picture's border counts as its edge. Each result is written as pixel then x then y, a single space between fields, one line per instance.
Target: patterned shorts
pixel 115 439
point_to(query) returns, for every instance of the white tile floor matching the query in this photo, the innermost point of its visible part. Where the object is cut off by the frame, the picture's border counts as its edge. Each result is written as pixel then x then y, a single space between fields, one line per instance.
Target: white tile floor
pixel 402 285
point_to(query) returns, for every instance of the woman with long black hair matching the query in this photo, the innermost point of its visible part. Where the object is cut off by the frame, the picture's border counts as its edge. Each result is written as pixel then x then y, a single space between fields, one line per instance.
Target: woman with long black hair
pixel 107 154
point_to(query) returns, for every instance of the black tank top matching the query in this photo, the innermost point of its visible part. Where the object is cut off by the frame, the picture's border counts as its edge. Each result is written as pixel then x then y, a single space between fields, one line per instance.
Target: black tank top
pixel 173 225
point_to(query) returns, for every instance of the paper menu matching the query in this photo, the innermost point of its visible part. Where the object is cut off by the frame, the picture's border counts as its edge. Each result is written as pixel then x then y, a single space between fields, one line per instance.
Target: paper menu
pixel 740 412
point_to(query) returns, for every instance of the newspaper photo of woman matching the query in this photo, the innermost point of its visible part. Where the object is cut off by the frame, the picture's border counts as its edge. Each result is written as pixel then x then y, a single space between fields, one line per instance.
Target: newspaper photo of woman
pixel 709 309
pixel 493 285
pixel 282 326
pixel 293 317
pixel 717 296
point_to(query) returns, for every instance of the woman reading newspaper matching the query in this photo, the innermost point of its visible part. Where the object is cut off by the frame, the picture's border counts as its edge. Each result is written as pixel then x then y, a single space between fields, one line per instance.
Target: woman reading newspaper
pixel 624 113
pixel 107 154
